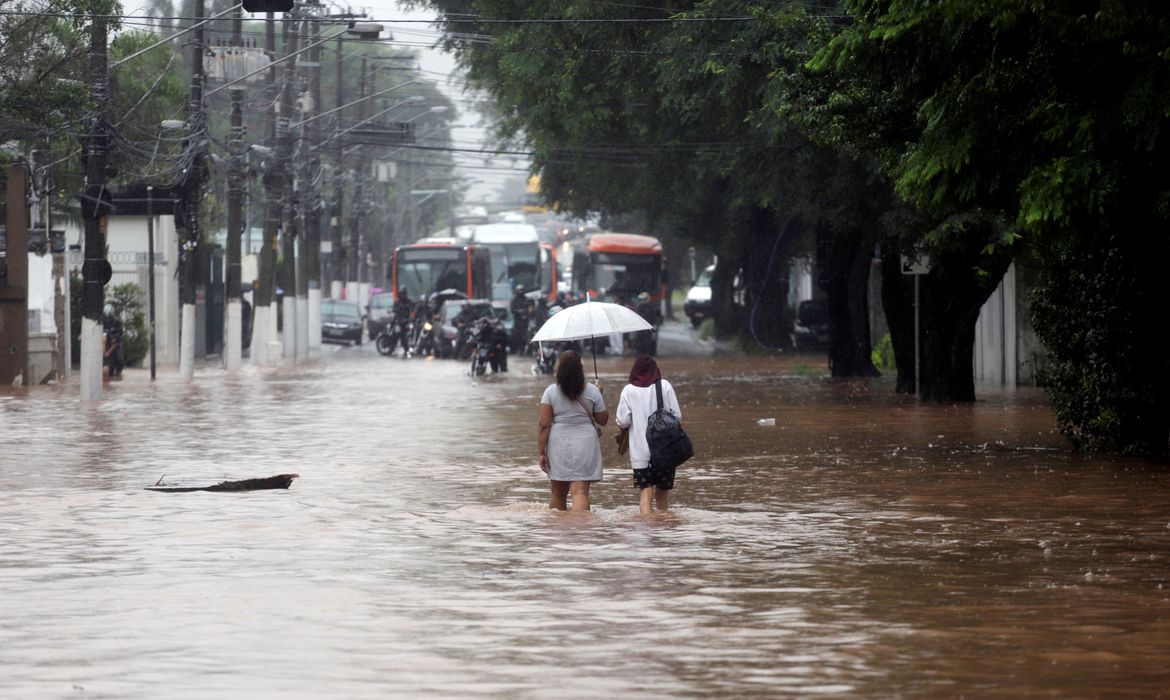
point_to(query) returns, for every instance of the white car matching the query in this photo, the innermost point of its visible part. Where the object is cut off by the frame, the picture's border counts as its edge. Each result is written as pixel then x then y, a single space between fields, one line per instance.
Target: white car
pixel 698 303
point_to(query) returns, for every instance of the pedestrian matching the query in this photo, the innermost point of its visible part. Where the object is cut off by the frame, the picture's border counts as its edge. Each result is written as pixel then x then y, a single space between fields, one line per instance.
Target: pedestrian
pixel 114 355
pixel 571 411
pixel 519 308
pixel 638 400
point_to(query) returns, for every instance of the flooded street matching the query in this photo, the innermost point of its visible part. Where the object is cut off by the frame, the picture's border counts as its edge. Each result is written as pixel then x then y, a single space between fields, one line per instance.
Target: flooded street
pixel 864 546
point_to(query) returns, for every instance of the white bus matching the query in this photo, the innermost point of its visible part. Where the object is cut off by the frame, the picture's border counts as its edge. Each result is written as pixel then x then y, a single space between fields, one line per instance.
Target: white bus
pixel 515 250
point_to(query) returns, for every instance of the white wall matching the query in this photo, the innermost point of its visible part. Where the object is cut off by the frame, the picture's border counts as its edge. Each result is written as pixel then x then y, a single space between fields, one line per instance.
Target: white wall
pixel 127 234
pixel 996 335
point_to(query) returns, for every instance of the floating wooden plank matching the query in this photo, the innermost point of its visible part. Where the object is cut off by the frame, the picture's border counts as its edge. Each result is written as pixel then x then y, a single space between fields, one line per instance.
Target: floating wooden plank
pixel 280 481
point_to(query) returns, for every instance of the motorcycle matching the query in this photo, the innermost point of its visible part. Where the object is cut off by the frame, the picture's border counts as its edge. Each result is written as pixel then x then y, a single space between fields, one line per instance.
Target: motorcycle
pixel 488 346
pixel 392 334
pixel 425 344
pixel 546 358
pixel 479 351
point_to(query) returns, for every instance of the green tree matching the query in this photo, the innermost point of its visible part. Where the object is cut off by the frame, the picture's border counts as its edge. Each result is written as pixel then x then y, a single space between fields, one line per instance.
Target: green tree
pixel 1037 127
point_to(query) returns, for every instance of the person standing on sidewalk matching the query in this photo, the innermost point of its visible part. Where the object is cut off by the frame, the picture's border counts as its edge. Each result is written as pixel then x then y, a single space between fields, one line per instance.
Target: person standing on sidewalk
pixel 638 400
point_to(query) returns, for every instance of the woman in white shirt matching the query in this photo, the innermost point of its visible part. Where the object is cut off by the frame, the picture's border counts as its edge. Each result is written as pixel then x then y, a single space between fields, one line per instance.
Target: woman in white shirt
pixel 639 399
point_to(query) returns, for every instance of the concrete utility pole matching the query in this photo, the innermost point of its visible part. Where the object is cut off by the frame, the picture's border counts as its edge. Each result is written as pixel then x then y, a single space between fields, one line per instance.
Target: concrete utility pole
pixel 312 199
pixel 187 208
pixel 264 326
pixel 337 256
pixel 233 321
pixel 356 247
pixel 95 207
pixel 284 149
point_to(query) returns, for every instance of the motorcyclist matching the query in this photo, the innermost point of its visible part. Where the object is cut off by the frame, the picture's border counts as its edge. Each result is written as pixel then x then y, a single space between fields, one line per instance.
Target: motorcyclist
pixel 114 355
pixel 403 310
pixel 498 337
pixel 462 322
pixel 519 320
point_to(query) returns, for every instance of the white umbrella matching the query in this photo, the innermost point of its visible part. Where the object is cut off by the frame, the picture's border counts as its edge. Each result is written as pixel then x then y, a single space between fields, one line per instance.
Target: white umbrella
pixel 589 320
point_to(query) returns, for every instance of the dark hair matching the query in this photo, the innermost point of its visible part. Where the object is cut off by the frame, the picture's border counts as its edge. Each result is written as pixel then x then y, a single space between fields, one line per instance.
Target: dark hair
pixel 570 374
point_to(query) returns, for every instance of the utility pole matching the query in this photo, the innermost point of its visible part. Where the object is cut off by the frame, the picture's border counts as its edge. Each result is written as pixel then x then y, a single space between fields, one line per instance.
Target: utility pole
pixel 312 240
pixel 264 325
pixel 284 144
pixel 95 207
pixel 233 330
pixel 357 257
pixel 187 208
pixel 337 256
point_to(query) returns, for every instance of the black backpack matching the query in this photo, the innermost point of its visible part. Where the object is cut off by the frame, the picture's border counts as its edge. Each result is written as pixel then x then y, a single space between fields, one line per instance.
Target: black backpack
pixel 669 444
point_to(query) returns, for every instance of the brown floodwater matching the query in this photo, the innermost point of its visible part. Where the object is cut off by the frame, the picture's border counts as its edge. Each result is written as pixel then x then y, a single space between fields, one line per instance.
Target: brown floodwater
pixel 863 546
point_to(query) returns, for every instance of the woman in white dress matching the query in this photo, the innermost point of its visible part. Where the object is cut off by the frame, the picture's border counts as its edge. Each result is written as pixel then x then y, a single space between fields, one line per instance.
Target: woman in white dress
pixel 570 452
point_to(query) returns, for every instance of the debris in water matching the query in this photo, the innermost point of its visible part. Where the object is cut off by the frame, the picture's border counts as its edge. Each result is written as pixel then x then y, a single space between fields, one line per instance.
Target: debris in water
pixel 279 481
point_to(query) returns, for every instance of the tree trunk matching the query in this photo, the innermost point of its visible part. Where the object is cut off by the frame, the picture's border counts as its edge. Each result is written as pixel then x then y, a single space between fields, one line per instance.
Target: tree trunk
pixel 898 304
pixel 949 300
pixel 765 270
pixel 843 261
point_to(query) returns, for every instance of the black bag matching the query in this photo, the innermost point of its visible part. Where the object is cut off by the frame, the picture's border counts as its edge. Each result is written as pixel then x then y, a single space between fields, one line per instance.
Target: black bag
pixel 669 444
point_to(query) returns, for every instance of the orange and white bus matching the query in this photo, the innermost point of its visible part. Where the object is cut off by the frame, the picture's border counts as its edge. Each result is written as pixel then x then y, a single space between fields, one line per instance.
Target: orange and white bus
pixel 427 267
pixel 619 266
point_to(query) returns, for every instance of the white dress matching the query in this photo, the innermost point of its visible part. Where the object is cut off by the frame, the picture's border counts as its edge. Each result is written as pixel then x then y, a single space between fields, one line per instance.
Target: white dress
pixel 573 449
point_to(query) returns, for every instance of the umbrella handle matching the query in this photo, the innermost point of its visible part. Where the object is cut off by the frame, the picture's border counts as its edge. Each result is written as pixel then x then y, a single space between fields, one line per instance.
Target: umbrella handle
pixel 593 347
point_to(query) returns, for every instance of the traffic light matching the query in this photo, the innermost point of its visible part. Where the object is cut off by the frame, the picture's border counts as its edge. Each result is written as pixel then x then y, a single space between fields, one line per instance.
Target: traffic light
pixel 268 5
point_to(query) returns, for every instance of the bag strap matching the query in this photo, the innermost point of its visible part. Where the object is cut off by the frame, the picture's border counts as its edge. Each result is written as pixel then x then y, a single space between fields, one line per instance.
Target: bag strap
pixel 658 391
pixel 587 411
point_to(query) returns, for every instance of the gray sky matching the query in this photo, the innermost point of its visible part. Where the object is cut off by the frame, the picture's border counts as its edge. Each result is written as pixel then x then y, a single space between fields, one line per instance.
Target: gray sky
pixel 469 131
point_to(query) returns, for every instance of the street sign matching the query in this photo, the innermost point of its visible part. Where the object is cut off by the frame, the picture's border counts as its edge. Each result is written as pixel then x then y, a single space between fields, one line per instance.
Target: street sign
pixel 393 134
pixel 268 5
pixel 919 265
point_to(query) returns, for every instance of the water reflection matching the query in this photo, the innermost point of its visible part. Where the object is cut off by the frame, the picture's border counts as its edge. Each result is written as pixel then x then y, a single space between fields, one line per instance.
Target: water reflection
pixel 862 546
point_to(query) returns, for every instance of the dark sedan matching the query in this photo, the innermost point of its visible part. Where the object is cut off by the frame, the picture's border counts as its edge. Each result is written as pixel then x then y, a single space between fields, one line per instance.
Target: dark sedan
pixel 341 321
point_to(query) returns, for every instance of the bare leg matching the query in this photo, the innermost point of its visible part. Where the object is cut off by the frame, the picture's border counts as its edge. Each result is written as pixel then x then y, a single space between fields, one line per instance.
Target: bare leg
pixel 558 493
pixel 662 498
pixel 646 500
pixel 580 492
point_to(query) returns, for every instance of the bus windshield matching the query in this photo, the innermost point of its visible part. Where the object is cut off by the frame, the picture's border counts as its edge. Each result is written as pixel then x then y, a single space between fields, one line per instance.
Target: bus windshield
pixel 425 271
pixel 514 264
pixel 626 275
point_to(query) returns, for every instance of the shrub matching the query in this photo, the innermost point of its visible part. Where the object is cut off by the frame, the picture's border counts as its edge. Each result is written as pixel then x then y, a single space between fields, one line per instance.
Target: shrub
pixel 883 354
pixel 127 301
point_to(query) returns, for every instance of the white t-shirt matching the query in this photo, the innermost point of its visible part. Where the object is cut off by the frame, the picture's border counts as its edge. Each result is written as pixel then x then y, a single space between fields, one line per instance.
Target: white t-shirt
pixel 634 407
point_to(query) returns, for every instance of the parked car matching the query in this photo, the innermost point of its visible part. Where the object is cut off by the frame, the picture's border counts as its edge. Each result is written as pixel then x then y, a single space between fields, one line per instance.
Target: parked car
pixel 810 331
pixel 698 303
pixel 378 313
pixel 341 321
pixel 448 311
